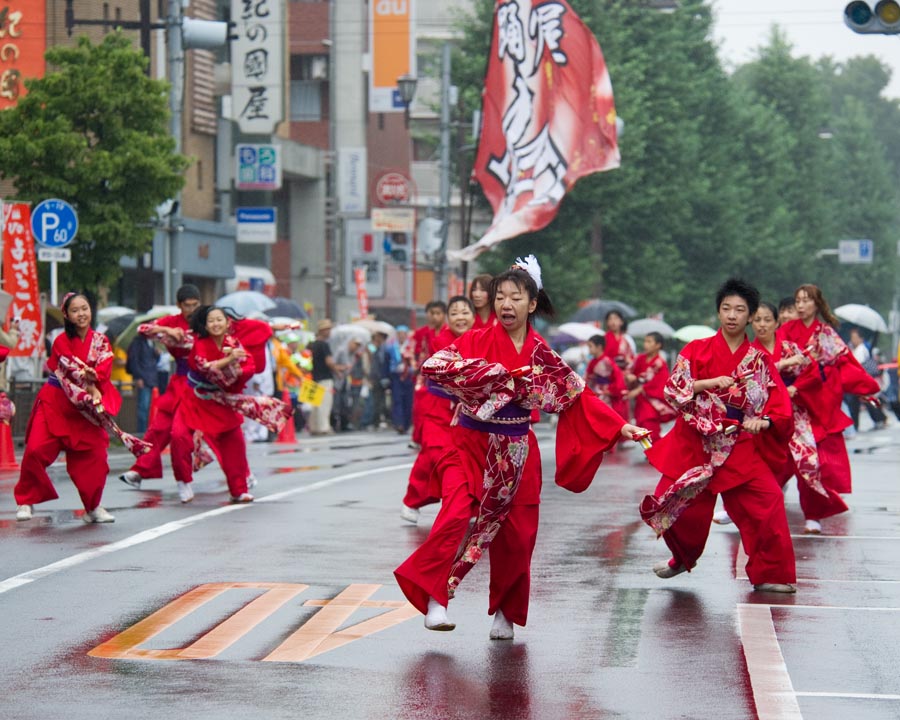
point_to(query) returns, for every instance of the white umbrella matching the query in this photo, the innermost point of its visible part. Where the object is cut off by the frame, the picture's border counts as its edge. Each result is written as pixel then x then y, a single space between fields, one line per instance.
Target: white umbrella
pixel 575 356
pixel 375 326
pixel 862 315
pixel 645 326
pixel 245 302
pixel 579 331
pixel 693 332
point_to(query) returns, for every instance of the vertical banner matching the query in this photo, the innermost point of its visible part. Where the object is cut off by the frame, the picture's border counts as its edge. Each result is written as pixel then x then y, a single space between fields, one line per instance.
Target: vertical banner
pixel 257 65
pixel 362 297
pixel 20 278
pixel 23 41
pixel 392 46
pixel 549 117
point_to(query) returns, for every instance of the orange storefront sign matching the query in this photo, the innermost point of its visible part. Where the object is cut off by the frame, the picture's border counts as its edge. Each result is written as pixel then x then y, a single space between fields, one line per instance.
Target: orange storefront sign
pixel 23 41
pixel 392 44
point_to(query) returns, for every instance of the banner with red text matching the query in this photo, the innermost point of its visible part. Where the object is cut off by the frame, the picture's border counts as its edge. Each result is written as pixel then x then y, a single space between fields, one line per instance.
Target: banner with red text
pixel 20 279
pixel 23 41
pixel 362 295
pixel 548 117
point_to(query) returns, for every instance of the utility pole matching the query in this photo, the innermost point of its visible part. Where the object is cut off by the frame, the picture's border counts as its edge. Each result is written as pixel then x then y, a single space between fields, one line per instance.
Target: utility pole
pixel 441 255
pixel 175 61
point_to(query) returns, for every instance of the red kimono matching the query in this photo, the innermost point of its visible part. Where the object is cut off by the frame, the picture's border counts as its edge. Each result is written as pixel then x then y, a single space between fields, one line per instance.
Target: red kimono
pixel 607 381
pixel 618 349
pixel 493 470
pixel 479 323
pixel 199 414
pixel 698 459
pixel 799 456
pixel 421 348
pixel 650 406
pixel 820 390
pixel 159 434
pixel 57 424
pixel 435 410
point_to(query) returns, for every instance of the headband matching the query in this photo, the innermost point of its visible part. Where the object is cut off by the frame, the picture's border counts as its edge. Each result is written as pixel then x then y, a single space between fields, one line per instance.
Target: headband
pixel 65 299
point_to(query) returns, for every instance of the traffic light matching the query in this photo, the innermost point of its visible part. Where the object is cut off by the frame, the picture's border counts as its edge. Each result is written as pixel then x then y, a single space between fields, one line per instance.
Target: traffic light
pixel 884 19
pixel 205 34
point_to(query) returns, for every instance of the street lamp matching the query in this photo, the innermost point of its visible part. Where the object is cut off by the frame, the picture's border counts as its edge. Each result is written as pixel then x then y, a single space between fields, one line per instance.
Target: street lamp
pixel 406 87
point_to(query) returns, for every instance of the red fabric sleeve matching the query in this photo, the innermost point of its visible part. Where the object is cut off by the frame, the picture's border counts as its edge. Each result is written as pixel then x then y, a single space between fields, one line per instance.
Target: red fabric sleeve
pixel 586 430
pixel 254 334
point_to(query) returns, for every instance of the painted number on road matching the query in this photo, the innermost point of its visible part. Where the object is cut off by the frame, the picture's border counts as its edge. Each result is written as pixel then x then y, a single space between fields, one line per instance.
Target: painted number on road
pixel 317 635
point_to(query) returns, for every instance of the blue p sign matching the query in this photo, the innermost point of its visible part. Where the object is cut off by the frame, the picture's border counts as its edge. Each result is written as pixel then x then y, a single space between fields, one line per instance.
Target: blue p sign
pixel 54 223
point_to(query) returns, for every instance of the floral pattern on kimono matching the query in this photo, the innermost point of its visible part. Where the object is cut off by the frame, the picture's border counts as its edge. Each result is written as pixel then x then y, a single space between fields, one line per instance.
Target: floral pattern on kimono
pixel 186 343
pixel 71 374
pixel 270 412
pixel 483 390
pixel 708 413
pixel 802 445
pixel 665 411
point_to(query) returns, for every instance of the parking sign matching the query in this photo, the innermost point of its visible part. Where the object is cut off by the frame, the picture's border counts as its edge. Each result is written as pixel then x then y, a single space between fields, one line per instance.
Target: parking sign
pixel 54 223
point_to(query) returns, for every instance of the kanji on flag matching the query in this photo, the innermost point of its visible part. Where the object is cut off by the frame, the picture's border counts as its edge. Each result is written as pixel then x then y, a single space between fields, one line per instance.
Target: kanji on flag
pixel 548 117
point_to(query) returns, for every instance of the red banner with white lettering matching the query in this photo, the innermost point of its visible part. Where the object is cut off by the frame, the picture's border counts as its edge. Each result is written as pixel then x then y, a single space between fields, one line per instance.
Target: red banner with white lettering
pixel 362 295
pixel 20 278
pixel 548 116
pixel 23 41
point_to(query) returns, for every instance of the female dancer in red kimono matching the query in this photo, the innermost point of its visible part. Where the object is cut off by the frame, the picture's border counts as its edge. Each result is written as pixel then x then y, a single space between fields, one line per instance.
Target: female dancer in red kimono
pixel 480 295
pixel 499 375
pixel 648 377
pixel 819 391
pixel 726 393
pixel 618 348
pixel 436 408
pixel 73 413
pixel 212 409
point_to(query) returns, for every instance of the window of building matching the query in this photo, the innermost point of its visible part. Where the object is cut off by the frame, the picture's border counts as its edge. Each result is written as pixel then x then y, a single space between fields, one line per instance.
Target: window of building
pixel 309 75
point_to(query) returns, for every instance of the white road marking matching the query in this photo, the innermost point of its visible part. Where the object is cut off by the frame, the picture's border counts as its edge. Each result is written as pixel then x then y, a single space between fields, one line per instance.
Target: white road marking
pixel 773 691
pixel 25 578
pixel 854 696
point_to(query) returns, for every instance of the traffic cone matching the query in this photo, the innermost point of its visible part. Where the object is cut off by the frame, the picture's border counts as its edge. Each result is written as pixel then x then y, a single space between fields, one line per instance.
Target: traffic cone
pixel 151 413
pixel 288 435
pixel 7 450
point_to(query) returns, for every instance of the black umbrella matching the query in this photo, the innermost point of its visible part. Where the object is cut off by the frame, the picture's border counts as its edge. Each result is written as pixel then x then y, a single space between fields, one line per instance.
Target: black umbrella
pixel 285 307
pixel 596 311
pixel 115 326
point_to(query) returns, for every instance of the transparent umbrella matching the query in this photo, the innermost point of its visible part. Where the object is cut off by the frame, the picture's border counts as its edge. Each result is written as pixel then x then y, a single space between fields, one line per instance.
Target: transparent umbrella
pixel 693 332
pixel 245 302
pixel 645 326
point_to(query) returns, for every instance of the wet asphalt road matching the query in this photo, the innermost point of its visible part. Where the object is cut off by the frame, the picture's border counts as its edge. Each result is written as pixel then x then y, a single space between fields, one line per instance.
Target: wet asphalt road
pixel 287 608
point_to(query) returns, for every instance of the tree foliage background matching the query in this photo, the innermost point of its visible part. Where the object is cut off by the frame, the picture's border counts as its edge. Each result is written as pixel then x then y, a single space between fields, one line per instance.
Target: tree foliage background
pixel 722 173
pixel 94 132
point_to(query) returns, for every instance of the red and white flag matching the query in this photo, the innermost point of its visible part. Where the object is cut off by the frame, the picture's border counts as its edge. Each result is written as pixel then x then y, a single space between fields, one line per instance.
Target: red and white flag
pixel 548 116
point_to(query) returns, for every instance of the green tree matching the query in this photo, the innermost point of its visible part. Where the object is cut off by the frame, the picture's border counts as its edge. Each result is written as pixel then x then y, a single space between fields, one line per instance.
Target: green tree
pixel 94 132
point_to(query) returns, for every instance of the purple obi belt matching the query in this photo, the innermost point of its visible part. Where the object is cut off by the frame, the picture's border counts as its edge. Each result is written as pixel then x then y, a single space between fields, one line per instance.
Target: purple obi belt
pixel 181 366
pixel 54 381
pixel 733 413
pixel 438 391
pixel 509 420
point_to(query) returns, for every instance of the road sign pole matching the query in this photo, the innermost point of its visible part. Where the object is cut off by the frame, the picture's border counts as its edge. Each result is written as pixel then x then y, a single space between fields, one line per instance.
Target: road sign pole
pixel 54 284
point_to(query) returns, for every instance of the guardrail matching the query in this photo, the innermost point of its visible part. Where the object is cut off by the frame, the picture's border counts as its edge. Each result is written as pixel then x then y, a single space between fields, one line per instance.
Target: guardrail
pixel 23 393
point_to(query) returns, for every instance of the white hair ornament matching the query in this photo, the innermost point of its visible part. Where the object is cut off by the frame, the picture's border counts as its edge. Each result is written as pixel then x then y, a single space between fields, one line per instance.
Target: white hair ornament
pixel 532 267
